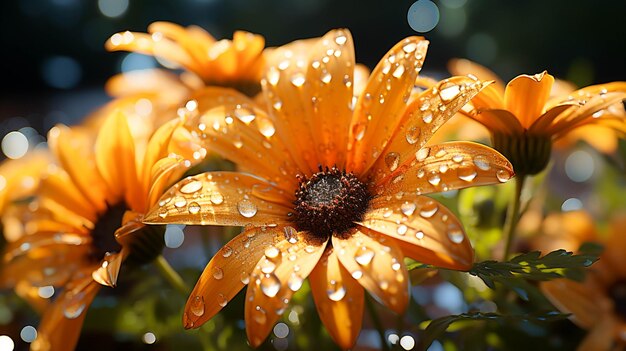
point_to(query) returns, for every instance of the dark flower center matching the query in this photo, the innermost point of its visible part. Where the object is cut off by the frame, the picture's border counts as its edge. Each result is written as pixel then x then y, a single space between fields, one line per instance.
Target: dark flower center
pixel 617 292
pixel 330 202
pixel 102 235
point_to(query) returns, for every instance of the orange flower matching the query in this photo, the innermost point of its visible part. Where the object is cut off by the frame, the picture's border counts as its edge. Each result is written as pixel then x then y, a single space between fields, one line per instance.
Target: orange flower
pixel 236 63
pixel 86 220
pixel 524 121
pixel 333 185
pixel 598 303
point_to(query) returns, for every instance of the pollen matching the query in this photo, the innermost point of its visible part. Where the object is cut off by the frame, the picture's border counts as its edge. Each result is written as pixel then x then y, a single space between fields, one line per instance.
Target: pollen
pixel 329 203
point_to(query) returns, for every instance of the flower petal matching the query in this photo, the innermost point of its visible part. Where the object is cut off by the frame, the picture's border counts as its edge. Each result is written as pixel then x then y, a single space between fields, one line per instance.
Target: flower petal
pixel 63 320
pixel 462 67
pixel 602 336
pixel 497 121
pixel 227 273
pixel 526 96
pixel 58 187
pixel 378 109
pixel 163 174
pixel 197 49
pixel 222 198
pixel 377 263
pixel 278 274
pixel 115 157
pixel 584 302
pixel 74 151
pixel 422 118
pixel 231 124
pixel 110 267
pixel 329 87
pixel 423 228
pixel 338 298
pixel 447 166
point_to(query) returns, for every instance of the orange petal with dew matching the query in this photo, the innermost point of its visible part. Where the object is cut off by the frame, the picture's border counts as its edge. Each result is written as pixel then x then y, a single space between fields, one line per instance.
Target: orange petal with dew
pixel 595 109
pixel 379 108
pixel 196 49
pixel 164 173
pixel 109 268
pixel 276 277
pixel 422 118
pixel 464 67
pixel 447 166
pixel 222 198
pixel 249 48
pixel 338 298
pixel 156 149
pixel 232 125
pixel 526 96
pixel 63 320
pixel 497 121
pixel 58 187
pixel 377 263
pixel 423 228
pixel 227 273
pixel 74 151
pixel 115 157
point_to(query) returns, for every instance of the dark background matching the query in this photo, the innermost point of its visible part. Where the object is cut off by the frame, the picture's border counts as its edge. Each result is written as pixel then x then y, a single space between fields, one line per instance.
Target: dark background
pixel 581 41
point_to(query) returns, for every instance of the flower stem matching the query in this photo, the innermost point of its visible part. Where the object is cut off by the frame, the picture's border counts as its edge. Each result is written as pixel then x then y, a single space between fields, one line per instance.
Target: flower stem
pixel 171 275
pixel 513 216
pixel 379 327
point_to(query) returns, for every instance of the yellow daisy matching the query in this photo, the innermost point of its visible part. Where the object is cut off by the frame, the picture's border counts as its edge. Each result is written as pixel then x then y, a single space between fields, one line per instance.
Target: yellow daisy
pixel 332 185
pixel 86 220
pixel 524 120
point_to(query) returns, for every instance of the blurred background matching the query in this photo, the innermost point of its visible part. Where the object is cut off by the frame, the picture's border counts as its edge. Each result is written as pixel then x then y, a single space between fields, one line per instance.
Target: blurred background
pixel 55 66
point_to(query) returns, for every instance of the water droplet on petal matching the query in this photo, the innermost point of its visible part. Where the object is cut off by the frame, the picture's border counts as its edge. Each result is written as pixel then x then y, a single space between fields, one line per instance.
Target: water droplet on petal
pixel 398 71
pixel 341 39
pixel 272 252
pixel 457 158
pixel 247 208
pixel 180 202
pixel 408 208
pixel 392 160
pixel 191 187
pixel 336 291
pixel 482 162
pixel 260 316
pixel 295 282
pixel 326 78
pixel 245 278
pixel 193 208
pixel 503 176
pixel 434 178
pixel 227 251
pixel 364 256
pixel 266 127
pixel 73 310
pixel 218 273
pixel 422 153
pixel 427 117
pixel 298 80
pixel 270 285
pixel 455 234
pixel 413 135
pixel 448 91
pixel 419 234
pixel 429 209
pixel 221 300
pixel 244 114
pixel 359 130
pixel 197 306
pixel 401 230
pixel 357 274
pixel 216 198
pixel 466 172
pixel 268 266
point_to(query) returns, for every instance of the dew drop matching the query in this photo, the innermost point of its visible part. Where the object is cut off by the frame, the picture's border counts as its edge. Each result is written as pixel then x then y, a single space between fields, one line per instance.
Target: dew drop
pixel 398 72
pixel 72 311
pixel 396 266
pixel 482 162
pixel 448 91
pixel 272 252
pixel 401 230
pixel 218 273
pixel 357 274
pixel 427 117
pixel 244 278
pixel 422 153
pixel 216 198
pixel 193 208
pixel 419 235
pixel 245 115
pixel 247 208
pixel 197 306
pixel 270 285
pixel 503 176
pixel 408 208
pixel 429 209
pixel 413 135
pixel 268 266
pixel 457 158
pixel 326 78
pixel 336 291
pixel 227 251
pixel 455 234
pixel 409 48
pixel 434 178
pixel 191 187
pixel 180 202
pixel 341 39
pixel 266 127
pixel 273 75
pixel 466 172
pixel 392 160
pixel 291 234
pixel 359 130
pixel 298 80
pixel 295 282
pixel 364 256
pixel 222 300
pixel 260 316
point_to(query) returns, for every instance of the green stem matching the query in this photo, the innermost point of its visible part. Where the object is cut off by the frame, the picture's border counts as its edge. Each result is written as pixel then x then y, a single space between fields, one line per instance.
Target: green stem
pixel 171 275
pixel 513 216
pixel 379 327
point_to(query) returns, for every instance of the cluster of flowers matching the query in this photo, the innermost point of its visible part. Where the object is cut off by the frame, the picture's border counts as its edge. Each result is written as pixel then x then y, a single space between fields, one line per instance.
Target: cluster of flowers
pixel 333 165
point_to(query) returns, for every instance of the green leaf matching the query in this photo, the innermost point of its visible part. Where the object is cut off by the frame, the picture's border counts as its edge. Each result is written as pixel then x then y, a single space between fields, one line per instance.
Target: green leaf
pixel 515 273
pixel 438 326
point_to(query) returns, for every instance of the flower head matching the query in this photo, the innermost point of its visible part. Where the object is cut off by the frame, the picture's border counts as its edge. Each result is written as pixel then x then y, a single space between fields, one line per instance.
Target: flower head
pixel 331 186
pixel 597 304
pixel 236 63
pixel 524 120
pixel 86 219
